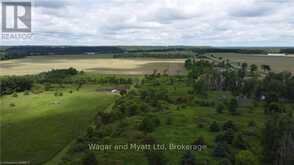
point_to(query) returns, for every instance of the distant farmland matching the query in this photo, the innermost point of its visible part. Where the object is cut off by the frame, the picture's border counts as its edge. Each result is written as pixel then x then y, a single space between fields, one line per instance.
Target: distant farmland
pixel 277 63
pixel 37 64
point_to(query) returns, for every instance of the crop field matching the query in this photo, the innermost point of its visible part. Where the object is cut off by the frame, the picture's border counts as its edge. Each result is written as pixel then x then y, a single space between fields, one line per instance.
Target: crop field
pixel 37 64
pixel 277 63
pixel 35 127
pixel 129 66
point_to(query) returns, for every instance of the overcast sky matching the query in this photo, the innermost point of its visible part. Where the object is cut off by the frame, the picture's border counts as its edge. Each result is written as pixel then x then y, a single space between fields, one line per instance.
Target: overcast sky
pixel 162 22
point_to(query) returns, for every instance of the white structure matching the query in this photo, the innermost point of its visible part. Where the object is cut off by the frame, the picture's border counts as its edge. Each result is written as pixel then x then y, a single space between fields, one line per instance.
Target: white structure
pixel 276 54
pixel 114 91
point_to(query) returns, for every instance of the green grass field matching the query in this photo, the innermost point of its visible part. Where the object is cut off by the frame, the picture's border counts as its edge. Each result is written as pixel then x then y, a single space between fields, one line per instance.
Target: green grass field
pixel 41 125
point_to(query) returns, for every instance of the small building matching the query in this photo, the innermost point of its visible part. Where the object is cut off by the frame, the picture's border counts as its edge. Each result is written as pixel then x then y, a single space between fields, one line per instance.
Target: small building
pixel 120 90
pixel 114 91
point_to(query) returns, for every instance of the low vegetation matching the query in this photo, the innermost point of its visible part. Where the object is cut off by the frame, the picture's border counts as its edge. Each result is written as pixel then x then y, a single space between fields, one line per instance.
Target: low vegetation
pixel 228 113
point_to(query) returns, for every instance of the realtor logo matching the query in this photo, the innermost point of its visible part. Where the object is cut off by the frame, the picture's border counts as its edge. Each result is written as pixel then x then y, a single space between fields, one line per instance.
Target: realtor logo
pixel 16 17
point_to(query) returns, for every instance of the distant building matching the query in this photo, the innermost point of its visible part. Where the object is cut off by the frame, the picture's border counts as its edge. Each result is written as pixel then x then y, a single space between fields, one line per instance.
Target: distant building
pixel 90 53
pixel 276 54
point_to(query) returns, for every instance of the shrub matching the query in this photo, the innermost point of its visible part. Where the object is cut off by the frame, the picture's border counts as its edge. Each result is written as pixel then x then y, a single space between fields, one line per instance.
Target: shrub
pixel 233 105
pixel 47 87
pixel 89 159
pixel 78 147
pixel 229 136
pixel 188 159
pixel 26 93
pixel 220 108
pixel 148 139
pixel 251 123
pixel 14 95
pixel 90 132
pixel 12 105
pixel 169 120
pixel 204 103
pixel 156 158
pixel 245 157
pixel 229 125
pixel 240 142
pixel 219 150
pixel 149 123
pixel 219 138
pixel 214 127
pixel 225 162
pixel 200 125
pixel 200 141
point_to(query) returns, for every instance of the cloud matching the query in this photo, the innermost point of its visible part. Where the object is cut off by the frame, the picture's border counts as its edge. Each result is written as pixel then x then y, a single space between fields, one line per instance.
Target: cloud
pixel 163 22
pixel 52 4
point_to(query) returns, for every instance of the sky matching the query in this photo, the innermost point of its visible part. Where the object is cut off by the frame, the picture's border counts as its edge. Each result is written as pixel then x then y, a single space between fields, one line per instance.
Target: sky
pixel 161 22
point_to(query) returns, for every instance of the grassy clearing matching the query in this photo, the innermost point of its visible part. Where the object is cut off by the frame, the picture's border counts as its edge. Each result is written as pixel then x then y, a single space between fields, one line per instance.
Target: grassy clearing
pixel 39 126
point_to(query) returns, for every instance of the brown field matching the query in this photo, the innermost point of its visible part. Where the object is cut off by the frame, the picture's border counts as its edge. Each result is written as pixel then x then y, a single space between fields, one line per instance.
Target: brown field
pixel 37 64
pixel 277 63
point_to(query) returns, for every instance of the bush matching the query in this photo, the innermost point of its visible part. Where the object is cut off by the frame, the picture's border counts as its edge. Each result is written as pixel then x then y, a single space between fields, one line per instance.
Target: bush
pixel 12 105
pixel 169 120
pixel 229 125
pixel 240 142
pixel 78 148
pixel 149 123
pixel 47 87
pixel 225 162
pixel 204 103
pixel 214 127
pixel 89 159
pixel 251 123
pixel 219 150
pixel 199 141
pixel 148 139
pixel 220 108
pixel 233 105
pixel 188 159
pixel 58 94
pixel 26 93
pixel 14 95
pixel 245 157
pixel 219 138
pixel 229 136
pixel 156 158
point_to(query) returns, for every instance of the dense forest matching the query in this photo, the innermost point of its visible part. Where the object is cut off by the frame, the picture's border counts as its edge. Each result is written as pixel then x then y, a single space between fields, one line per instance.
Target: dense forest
pixel 125 51
pixel 23 51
